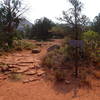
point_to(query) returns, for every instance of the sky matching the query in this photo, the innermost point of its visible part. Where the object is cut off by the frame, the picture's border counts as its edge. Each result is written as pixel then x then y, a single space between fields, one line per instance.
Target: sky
pixel 53 8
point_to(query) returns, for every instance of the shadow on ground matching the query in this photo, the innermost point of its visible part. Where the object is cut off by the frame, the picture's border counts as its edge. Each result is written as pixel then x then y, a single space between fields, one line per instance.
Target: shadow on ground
pixel 73 87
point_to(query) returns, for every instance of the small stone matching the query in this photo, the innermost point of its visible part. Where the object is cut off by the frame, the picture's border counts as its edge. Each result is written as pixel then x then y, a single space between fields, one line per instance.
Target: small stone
pixel 67 82
pixel 36 51
pixel 38 44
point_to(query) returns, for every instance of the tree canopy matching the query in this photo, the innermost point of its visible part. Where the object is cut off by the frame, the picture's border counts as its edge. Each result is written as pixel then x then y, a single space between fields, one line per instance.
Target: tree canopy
pixel 10 17
pixel 74 18
pixel 96 24
pixel 40 29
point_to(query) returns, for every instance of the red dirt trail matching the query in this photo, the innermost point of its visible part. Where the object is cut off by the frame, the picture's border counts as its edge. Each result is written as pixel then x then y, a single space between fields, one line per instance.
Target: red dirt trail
pixel 42 89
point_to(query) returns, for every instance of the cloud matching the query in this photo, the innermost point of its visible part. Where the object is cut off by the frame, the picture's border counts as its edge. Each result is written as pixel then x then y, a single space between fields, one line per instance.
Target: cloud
pixel 54 8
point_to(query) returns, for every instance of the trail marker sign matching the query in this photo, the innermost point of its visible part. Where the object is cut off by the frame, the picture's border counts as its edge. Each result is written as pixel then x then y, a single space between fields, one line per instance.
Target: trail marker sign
pixel 76 43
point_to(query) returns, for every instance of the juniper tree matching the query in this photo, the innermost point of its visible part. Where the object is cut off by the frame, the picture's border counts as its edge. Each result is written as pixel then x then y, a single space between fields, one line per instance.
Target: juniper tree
pixel 10 17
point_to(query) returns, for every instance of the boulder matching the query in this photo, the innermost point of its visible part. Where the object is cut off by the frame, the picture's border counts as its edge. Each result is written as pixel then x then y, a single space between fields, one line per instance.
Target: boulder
pixel 53 47
pixel 36 51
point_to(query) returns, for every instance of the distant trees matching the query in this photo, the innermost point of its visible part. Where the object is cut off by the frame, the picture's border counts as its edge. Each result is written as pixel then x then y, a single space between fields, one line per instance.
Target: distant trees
pixel 10 17
pixel 27 32
pixel 74 19
pixel 58 31
pixel 96 24
pixel 40 29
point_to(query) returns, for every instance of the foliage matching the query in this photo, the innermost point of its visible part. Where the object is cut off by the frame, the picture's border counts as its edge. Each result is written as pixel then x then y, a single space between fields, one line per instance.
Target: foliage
pixel 66 40
pixel 91 36
pixel 96 24
pixel 23 44
pixel 15 76
pixel 18 45
pixel 59 74
pixel 55 59
pixel 74 19
pixel 57 31
pixel 18 35
pixel 91 40
pixel 5 38
pixel 40 29
pixel 27 32
pixel 10 17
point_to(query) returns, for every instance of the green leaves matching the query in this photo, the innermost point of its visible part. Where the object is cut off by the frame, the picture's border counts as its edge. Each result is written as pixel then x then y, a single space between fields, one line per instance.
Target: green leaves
pixel 10 17
pixel 96 24
pixel 41 28
pixel 90 35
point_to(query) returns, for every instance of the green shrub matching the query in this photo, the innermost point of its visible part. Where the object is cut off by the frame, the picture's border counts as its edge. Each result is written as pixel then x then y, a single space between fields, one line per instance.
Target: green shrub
pixel 54 62
pixel 59 75
pixel 55 58
pixel 23 44
pixel 91 39
pixel 15 76
pixel 66 40
pixel 18 45
pixel 90 35
pixel 91 43
pixel 18 35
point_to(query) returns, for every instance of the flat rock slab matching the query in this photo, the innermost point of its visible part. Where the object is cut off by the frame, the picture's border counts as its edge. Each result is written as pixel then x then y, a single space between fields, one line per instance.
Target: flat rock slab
pixel 3 77
pixel 28 60
pixel 24 65
pixel 37 65
pixel 40 72
pixel 31 72
pixel 22 70
pixel 30 80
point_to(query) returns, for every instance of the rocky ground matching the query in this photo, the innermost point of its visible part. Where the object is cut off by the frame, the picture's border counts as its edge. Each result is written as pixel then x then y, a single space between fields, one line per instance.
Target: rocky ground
pixel 32 85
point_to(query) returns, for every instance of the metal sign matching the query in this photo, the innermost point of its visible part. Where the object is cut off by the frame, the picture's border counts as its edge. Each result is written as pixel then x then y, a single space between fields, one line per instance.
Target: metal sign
pixel 76 43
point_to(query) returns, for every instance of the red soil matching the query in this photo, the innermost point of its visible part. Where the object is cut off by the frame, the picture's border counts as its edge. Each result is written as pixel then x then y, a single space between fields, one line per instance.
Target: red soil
pixel 42 89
